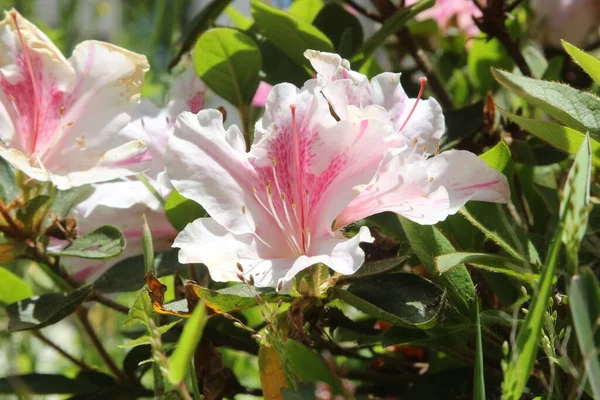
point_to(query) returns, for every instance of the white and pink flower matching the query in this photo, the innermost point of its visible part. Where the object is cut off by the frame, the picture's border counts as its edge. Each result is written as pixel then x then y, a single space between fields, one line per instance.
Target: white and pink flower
pixel 279 208
pixel 59 118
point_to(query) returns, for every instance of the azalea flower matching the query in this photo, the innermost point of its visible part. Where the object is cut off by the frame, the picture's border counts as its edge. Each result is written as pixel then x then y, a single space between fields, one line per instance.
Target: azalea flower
pixel 59 118
pixel 445 12
pixel 278 209
pixel 123 203
pixel 572 20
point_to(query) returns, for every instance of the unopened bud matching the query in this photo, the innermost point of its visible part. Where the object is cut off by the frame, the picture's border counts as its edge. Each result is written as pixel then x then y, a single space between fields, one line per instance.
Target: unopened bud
pixel 505 348
pixel 251 280
pixel 241 277
pixel 239 267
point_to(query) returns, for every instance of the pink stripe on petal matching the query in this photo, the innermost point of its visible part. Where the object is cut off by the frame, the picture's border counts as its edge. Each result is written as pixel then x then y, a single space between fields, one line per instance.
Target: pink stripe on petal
pixel 479 185
pixel 137 159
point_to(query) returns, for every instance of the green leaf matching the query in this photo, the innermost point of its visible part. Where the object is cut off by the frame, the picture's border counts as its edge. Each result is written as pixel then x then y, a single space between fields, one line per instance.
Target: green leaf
pixel 306 10
pixel 147 339
pixel 40 311
pixel 141 311
pixel 478 378
pixel 373 268
pixel 128 275
pixel 482 56
pixel 239 20
pixel 461 124
pixel 236 297
pixel 535 60
pixel 335 22
pixel 12 288
pixel 491 262
pixel 584 302
pixel 559 136
pixel 100 244
pixel 309 367
pixel 576 109
pixel 521 363
pixel 574 208
pixel 45 384
pixel 428 242
pixel 291 35
pixel 34 211
pixel 188 341
pixel 499 158
pixel 65 200
pixel 401 299
pixel 181 211
pixel 229 62
pixel 201 22
pixel 391 26
pixel 278 67
pixel 587 62
pixel 8 186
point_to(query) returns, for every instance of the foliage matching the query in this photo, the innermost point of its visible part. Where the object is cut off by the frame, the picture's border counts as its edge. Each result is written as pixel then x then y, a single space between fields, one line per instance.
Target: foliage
pixel 496 301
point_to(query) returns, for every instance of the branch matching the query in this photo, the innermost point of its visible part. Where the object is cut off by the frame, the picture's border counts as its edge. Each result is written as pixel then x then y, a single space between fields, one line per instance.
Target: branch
pixel 82 314
pixel 361 10
pixel 61 351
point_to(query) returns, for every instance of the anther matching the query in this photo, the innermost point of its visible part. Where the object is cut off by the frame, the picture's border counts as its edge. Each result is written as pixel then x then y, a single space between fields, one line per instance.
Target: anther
pixel 431 179
pixel 279 286
pixel 269 188
pixel 11 98
pixel 424 149
pixel 437 151
pixel 282 196
pixel 243 212
pixel 274 161
pixel 415 142
pixel 61 111
pixel 254 190
pixel 423 81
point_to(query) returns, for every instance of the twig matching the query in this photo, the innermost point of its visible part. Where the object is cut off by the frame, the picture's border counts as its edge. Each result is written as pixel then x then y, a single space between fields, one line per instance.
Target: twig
pixel 386 9
pixel 361 10
pixel 492 23
pixel 61 351
pixel 82 314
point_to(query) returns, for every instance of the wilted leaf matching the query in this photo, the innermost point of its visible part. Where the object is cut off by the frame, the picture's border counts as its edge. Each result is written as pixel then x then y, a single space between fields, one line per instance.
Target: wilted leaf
pixel 40 311
pixel 272 376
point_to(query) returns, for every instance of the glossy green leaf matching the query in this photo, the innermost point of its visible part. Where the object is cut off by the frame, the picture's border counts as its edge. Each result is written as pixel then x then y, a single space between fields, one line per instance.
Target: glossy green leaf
pixel 278 67
pixel 499 158
pixel 587 62
pixel 428 242
pixel 236 297
pixel 12 288
pixel 291 35
pixel 181 211
pixel 391 26
pixel 559 136
pixel 401 299
pixel 576 109
pixel 128 275
pixel 141 310
pixel 102 243
pixel 491 262
pixel 40 311
pixel 584 302
pixel 306 10
pixel 200 23
pixel 239 20
pixel 335 22
pixel 228 62
pixel 188 341
pixel 309 367
pixel 481 57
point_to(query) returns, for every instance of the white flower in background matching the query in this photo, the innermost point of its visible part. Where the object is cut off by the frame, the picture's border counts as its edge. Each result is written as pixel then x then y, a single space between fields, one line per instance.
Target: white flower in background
pixel 59 118
pixel 575 21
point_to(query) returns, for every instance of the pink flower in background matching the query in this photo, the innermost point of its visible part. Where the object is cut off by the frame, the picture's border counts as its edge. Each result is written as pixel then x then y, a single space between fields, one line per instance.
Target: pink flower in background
pixel 262 92
pixel 575 21
pixel 445 12
pixel 122 203
pixel 278 208
pixel 59 118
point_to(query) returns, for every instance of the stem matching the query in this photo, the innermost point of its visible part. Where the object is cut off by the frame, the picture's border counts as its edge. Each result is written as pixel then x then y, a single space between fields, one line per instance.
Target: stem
pixel 512 48
pixel 61 351
pixel 243 110
pixel 361 10
pixel 82 314
pixel 9 220
pixel 142 178
pixel 194 379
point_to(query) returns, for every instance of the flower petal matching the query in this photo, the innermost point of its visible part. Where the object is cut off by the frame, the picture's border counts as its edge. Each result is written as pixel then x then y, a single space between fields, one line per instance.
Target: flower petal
pixel 209 165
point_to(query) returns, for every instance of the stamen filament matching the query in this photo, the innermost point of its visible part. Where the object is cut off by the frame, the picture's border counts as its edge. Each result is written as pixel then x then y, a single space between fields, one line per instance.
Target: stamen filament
pixel 423 81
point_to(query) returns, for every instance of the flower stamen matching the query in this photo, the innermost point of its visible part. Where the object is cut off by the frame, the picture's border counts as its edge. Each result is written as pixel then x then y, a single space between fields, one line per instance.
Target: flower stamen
pixel 423 81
